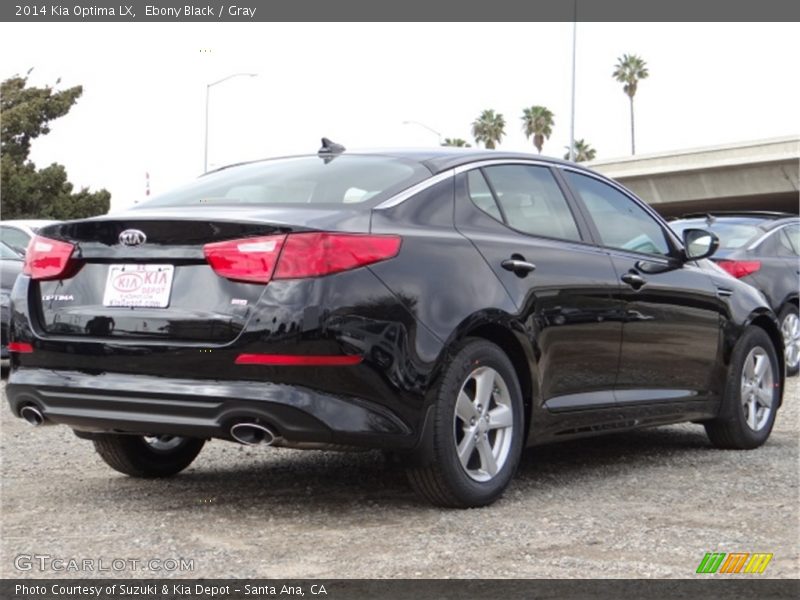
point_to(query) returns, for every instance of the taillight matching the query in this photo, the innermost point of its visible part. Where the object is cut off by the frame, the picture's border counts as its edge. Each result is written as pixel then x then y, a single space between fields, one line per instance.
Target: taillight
pixel 250 259
pixel 47 259
pixel 315 254
pixel 298 255
pixel 740 268
pixel 20 347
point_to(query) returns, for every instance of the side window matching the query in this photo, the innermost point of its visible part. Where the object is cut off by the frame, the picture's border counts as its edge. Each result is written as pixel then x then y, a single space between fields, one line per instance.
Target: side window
pixel 532 202
pixel 15 238
pixel 620 221
pixel 481 195
pixel 789 241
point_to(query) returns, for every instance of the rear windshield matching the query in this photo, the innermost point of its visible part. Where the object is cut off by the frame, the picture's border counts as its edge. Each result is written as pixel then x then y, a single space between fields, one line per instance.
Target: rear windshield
pixel 340 180
pixel 731 234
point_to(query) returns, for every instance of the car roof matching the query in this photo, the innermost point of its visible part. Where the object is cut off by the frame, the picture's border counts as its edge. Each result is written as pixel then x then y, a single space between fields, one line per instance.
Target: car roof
pixel 758 214
pixel 763 220
pixel 446 157
pixel 436 159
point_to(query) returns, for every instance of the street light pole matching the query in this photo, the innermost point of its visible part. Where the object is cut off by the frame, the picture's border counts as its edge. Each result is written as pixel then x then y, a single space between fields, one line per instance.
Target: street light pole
pixel 431 129
pixel 572 111
pixel 208 93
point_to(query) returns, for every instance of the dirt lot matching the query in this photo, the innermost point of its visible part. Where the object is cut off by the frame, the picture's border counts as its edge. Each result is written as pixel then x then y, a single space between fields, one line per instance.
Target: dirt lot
pixel 646 504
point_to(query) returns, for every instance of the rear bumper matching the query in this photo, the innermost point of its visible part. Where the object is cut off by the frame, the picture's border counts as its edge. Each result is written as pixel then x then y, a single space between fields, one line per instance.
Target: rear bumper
pixel 140 404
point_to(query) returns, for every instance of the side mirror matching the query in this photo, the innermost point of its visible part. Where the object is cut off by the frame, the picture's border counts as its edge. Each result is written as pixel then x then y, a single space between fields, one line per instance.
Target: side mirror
pixel 699 243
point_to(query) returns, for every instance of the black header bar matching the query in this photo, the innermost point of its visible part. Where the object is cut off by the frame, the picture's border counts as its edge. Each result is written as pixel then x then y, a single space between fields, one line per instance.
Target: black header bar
pixel 153 11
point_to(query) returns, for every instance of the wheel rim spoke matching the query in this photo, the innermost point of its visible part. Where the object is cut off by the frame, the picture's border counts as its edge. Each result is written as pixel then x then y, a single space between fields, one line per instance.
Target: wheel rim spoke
pixel 751 413
pixel 488 462
pixel 749 367
pixel 501 416
pixel 484 386
pixel 466 448
pixel 761 364
pixel 465 410
pixel 764 397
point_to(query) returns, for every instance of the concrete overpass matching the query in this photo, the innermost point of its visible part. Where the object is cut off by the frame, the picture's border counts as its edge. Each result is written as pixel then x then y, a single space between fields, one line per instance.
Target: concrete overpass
pixel 759 175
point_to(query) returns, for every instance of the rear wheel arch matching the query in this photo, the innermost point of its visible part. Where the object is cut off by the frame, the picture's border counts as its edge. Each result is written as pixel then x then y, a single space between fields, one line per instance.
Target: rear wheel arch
pixel 502 336
pixel 790 300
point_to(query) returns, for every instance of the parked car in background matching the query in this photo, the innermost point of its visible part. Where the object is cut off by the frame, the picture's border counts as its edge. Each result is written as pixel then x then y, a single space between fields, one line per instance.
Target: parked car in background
pixel 10 267
pixel 17 233
pixel 762 249
pixel 448 306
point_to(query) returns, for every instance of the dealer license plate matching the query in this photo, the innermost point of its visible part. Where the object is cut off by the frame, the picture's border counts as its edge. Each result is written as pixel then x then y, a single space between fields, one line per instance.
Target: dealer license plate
pixel 146 286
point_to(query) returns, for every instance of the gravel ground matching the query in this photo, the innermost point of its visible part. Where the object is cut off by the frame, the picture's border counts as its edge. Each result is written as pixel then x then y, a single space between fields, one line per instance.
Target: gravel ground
pixel 644 504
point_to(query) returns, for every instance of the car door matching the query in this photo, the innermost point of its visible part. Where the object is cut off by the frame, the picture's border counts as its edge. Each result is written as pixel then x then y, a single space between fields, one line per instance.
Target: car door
pixel 671 330
pixel 520 221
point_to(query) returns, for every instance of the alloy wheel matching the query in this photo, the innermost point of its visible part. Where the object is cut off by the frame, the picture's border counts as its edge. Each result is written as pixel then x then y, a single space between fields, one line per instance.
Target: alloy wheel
pixel 163 443
pixel 484 424
pixel 757 391
pixel 790 328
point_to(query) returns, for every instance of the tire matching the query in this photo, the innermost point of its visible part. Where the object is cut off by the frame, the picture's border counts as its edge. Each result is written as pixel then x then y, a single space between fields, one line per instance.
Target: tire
pixel 440 476
pixel 790 329
pixel 749 404
pixel 139 456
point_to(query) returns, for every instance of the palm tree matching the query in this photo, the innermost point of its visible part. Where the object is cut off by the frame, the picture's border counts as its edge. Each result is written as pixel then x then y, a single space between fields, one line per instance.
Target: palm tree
pixel 583 151
pixel 537 121
pixel 489 128
pixel 456 142
pixel 630 69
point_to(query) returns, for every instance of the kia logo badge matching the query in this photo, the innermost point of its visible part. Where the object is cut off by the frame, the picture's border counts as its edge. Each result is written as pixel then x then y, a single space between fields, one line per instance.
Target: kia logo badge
pixel 132 237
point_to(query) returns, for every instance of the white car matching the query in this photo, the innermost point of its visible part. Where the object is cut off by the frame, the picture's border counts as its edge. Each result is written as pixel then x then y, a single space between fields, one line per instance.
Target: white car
pixel 17 233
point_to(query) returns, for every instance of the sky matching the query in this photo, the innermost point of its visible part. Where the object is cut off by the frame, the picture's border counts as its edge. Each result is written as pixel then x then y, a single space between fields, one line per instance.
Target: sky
pixel 143 104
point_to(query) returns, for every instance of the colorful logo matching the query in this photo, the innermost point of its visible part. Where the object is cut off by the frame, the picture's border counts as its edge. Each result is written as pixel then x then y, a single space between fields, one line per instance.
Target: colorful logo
pixel 735 562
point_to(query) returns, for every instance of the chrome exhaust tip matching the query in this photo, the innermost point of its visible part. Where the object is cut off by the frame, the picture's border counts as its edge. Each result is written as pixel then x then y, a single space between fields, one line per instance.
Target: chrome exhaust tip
pixel 32 415
pixel 253 434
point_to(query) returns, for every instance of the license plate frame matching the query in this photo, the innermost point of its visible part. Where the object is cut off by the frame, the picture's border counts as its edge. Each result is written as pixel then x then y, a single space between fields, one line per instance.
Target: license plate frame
pixel 130 285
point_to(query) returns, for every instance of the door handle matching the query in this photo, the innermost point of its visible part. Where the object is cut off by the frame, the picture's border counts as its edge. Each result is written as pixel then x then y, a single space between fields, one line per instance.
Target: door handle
pixel 634 280
pixel 518 267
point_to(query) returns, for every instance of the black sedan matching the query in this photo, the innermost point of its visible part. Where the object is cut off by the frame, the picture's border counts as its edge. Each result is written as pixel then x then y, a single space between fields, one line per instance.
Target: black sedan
pixel 447 306
pixel 762 249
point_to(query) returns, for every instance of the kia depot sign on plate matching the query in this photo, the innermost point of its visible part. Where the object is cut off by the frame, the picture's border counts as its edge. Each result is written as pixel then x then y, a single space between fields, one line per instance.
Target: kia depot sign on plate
pixel 146 286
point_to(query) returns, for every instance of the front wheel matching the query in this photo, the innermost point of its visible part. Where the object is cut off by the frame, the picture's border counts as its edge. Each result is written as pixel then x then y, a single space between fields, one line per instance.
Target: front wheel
pixel 147 456
pixel 790 329
pixel 752 394
pixel 477 432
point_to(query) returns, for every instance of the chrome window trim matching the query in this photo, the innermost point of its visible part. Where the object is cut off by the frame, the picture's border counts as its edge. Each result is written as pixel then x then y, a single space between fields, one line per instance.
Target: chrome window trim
pixel 415 189
pixel 444 175
pixel 763 237
pixel 492 162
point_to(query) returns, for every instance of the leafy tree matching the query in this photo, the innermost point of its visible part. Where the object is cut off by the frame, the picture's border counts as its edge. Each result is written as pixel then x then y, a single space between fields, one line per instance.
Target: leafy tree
pixel 537 121
pixel 629 70
pixel 28 192
pixel 583 151
pixel 489 128
pixel 456 142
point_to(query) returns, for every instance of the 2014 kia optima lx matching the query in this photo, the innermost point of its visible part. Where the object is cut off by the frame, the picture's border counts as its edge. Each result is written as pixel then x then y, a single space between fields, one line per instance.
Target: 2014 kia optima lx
pixel 448 306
